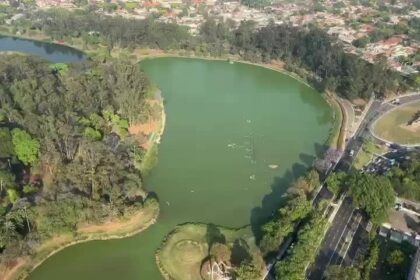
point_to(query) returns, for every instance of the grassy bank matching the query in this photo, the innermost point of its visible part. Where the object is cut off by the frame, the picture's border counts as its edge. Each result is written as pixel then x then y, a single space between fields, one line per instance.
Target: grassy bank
pixel 368 151
pixel 121 228
pixel 185 249
pixel 337 136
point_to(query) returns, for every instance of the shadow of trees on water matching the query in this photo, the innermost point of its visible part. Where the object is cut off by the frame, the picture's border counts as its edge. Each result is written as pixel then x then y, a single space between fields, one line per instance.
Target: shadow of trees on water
pixel 278 195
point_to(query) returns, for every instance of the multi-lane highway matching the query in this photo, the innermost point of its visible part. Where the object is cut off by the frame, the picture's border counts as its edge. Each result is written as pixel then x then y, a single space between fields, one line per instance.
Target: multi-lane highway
pixel 336 242
pixel 331 242
pixel 340 244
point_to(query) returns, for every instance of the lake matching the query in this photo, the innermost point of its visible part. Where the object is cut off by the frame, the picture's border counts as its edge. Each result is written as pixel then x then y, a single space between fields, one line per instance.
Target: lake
pixel 52 52
pixel 235 136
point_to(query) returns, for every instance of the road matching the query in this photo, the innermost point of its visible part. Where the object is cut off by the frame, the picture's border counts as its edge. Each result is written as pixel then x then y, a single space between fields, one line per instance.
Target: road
pixel 341 242
pixel 349 223
pixel 332 239
pixel 375 111
pixel 332 251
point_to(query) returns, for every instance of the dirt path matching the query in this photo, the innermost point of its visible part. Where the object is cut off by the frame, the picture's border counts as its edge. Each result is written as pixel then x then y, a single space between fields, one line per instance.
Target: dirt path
pixel 115 229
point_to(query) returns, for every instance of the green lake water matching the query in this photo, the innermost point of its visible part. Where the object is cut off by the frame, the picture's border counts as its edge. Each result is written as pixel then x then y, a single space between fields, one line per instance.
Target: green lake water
pixel 226 123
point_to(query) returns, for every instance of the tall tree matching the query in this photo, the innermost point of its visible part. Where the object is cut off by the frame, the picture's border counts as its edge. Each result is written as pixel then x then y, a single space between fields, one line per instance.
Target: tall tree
pixel 26 148
pixel 372 193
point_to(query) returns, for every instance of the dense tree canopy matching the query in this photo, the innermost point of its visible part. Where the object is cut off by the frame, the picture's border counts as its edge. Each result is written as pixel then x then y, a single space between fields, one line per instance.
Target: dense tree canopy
pixel 66 155
pixel 372 193
pixel 288 217
pixel 114 31
pixel 309 237
pixel 6 147
pixel 336 182
pixel 26 148
pixel 406 178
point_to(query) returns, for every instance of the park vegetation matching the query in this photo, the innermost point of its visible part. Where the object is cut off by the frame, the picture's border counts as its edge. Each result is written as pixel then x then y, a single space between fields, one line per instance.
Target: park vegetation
pixel 301 216
pixel 200 251
pixel 335 272
pixel 192 250
pixel 374 194
pixel 382 259
pixel 66 157
pixel 406 178
pixel 297 208
pixel 305 250
pixel 310 51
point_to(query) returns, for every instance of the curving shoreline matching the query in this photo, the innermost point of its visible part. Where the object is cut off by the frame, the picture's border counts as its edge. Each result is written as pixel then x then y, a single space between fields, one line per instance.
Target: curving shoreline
pixel 143 54
pixel 123 228
pixel 25 264
pixel 111 236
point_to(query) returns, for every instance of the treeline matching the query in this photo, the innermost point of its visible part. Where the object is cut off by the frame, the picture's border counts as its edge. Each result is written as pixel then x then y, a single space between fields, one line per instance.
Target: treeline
pixel 297 208
pixel 327 66
pixel 305 250
pixel 112 31
pixel 309 51
pixel 297 215
pixel 66 156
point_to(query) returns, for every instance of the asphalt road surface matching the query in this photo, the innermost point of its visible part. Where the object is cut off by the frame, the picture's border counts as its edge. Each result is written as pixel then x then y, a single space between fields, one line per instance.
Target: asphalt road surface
pixel 336 233
pixel 335 243
pixel 341 244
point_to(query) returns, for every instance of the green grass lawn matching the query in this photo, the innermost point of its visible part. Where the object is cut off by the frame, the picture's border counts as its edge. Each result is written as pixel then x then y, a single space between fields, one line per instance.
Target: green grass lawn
pixel 368 151
pixel 181 255
pixel 393 125
pixel 334 139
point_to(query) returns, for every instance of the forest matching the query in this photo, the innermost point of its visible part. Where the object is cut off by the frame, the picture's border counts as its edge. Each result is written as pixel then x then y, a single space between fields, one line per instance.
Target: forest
pixel 309 51
pixel 66 155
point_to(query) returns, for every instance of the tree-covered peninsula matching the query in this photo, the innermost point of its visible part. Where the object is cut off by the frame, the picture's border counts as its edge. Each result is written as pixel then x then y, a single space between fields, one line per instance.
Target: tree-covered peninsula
pixel 67 158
